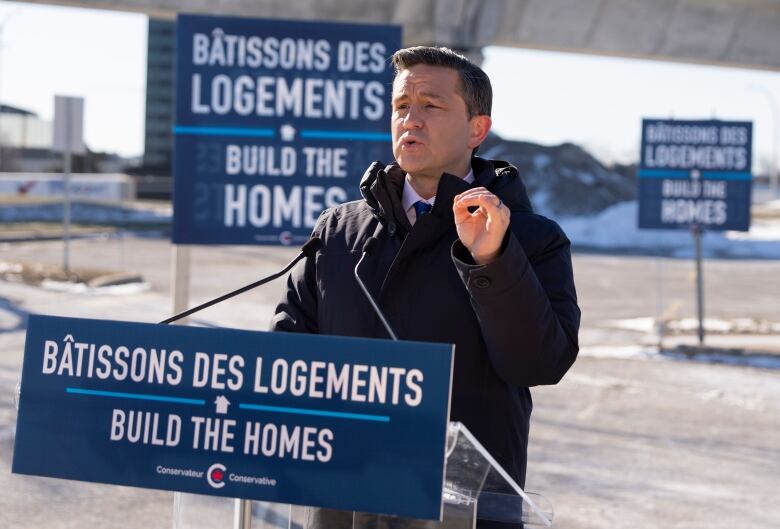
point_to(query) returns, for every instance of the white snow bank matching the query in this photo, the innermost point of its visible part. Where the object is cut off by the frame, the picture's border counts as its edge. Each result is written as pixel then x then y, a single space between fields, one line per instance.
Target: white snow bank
pixel 82 212
pixel 643 352
pixel 615 228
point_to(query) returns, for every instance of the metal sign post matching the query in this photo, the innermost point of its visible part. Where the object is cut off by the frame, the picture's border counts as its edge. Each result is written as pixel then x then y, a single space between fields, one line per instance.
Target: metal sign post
pixel 68 139
pixel 66 214
pixel 180 298
pixel 180 284
pixel 696 230
pixel 659 323
pixel 695 175
pixel 242 515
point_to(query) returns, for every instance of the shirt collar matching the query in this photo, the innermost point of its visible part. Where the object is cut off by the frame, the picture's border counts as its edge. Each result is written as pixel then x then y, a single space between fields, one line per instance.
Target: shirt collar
pixel 410 196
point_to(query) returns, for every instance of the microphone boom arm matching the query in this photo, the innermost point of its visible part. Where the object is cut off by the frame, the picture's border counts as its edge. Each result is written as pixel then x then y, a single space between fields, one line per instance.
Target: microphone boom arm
pixel 308 249
pixel 371 299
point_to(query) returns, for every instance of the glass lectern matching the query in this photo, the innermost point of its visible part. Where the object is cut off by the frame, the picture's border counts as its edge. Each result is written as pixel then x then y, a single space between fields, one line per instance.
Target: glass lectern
pixel 475 487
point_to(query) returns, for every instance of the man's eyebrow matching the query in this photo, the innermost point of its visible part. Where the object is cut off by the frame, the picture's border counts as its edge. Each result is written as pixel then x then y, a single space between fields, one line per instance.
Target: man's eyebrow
pixel 432 95
pixel 428 95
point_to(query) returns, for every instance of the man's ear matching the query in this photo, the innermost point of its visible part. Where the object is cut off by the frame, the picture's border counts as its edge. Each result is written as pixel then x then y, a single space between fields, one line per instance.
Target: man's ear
pixel 479 126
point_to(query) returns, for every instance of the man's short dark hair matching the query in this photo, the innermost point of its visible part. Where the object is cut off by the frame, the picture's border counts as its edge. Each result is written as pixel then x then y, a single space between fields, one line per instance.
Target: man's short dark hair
pixel 474 83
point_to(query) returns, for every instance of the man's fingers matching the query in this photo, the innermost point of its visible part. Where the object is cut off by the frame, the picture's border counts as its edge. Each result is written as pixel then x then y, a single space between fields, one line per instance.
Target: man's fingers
pixel 465 201
pixel 472 191
pixel 471 197
pixel 461 211
pixel 490 202
pixel 475 192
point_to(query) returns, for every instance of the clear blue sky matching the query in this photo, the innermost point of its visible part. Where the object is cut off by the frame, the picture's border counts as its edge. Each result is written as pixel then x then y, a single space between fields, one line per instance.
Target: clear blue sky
pixel 544 97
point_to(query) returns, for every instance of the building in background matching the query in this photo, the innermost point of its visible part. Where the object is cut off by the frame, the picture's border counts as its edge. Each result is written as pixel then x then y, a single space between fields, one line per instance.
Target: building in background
pixel 22 128
pixel 26 147
pixel 25 141
pixel 160 104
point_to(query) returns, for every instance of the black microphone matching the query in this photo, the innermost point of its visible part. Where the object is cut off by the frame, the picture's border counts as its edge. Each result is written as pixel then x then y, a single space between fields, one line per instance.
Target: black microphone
pixel 309 249
pixel 368 249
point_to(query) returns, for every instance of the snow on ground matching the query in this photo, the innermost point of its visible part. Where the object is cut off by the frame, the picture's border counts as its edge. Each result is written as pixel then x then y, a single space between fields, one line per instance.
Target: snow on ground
pixel 690 325
pixel 110 290
pixel 771 205
pixel 616 229
pixel 645 352
pixel 84 212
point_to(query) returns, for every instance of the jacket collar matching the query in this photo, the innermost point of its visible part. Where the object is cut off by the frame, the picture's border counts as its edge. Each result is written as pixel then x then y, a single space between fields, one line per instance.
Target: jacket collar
pixel 382 188
pixel 409 195
pixel 501 178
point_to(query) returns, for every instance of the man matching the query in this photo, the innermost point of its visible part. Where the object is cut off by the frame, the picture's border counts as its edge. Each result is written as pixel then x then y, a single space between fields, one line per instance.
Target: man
pixel 461 258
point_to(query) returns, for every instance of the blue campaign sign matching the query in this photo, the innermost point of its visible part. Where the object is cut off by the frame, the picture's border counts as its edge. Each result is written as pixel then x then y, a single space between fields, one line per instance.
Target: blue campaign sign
pixel 695 173
pixel 345 423
pixel 275 121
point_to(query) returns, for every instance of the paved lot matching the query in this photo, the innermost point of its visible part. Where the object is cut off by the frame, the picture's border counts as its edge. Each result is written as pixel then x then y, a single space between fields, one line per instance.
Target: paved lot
pixel 640 441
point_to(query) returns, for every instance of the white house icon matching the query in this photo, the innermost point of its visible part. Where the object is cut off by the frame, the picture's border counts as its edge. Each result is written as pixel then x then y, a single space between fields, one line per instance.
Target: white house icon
pixel 287 132
pixel 222 404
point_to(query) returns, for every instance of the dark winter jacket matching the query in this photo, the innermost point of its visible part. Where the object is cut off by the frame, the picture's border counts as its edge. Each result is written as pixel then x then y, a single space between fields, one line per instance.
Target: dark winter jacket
pixel 514 322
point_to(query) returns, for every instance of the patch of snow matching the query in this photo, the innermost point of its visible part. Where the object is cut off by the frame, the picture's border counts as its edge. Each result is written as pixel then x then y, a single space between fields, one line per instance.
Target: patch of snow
pixel 759 231
pixel 748 402
pixel 772 204
pixel 713 325
pixel 751 360
pixel 7 432
pixel 82 212
pixel 8 320
pixel 600 381
pixel 81 288
pixel 616 228
pixel 643 352
pixel 540 201
pixel 691 325
pixel 586 178
pixel 541 161
pixel 634 324
pixel 619 351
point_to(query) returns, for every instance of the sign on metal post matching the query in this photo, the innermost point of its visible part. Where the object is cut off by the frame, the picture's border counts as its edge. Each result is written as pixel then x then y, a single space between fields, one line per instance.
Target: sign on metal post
pixel 69 125
pixel 344 423
pixel 275 121
pixel 695 175
pixel 68 139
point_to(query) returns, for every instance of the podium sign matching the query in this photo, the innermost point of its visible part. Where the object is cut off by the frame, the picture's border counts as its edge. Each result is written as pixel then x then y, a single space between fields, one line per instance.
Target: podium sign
pixel 343 423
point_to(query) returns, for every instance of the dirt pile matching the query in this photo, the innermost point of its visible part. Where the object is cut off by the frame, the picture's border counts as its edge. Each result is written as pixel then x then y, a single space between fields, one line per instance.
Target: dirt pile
pixel 564 180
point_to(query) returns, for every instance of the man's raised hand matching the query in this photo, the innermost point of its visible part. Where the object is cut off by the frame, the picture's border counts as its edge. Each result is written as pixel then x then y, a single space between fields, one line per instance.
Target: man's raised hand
pixel 481 231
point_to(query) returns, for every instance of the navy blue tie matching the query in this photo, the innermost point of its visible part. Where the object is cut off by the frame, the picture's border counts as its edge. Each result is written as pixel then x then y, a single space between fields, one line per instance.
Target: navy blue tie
pixel 421 207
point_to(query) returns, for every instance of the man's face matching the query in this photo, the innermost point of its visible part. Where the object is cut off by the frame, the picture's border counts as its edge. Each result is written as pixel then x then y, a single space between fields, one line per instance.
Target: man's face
pixel 432 132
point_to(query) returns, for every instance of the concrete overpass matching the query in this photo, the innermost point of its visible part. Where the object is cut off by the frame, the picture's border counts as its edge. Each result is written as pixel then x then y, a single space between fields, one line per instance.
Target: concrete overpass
pixel 744 33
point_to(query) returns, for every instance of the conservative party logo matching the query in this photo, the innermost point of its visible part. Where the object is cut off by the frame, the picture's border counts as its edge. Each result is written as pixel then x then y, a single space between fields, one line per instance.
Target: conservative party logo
pixel 286 238
pixel 216 475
